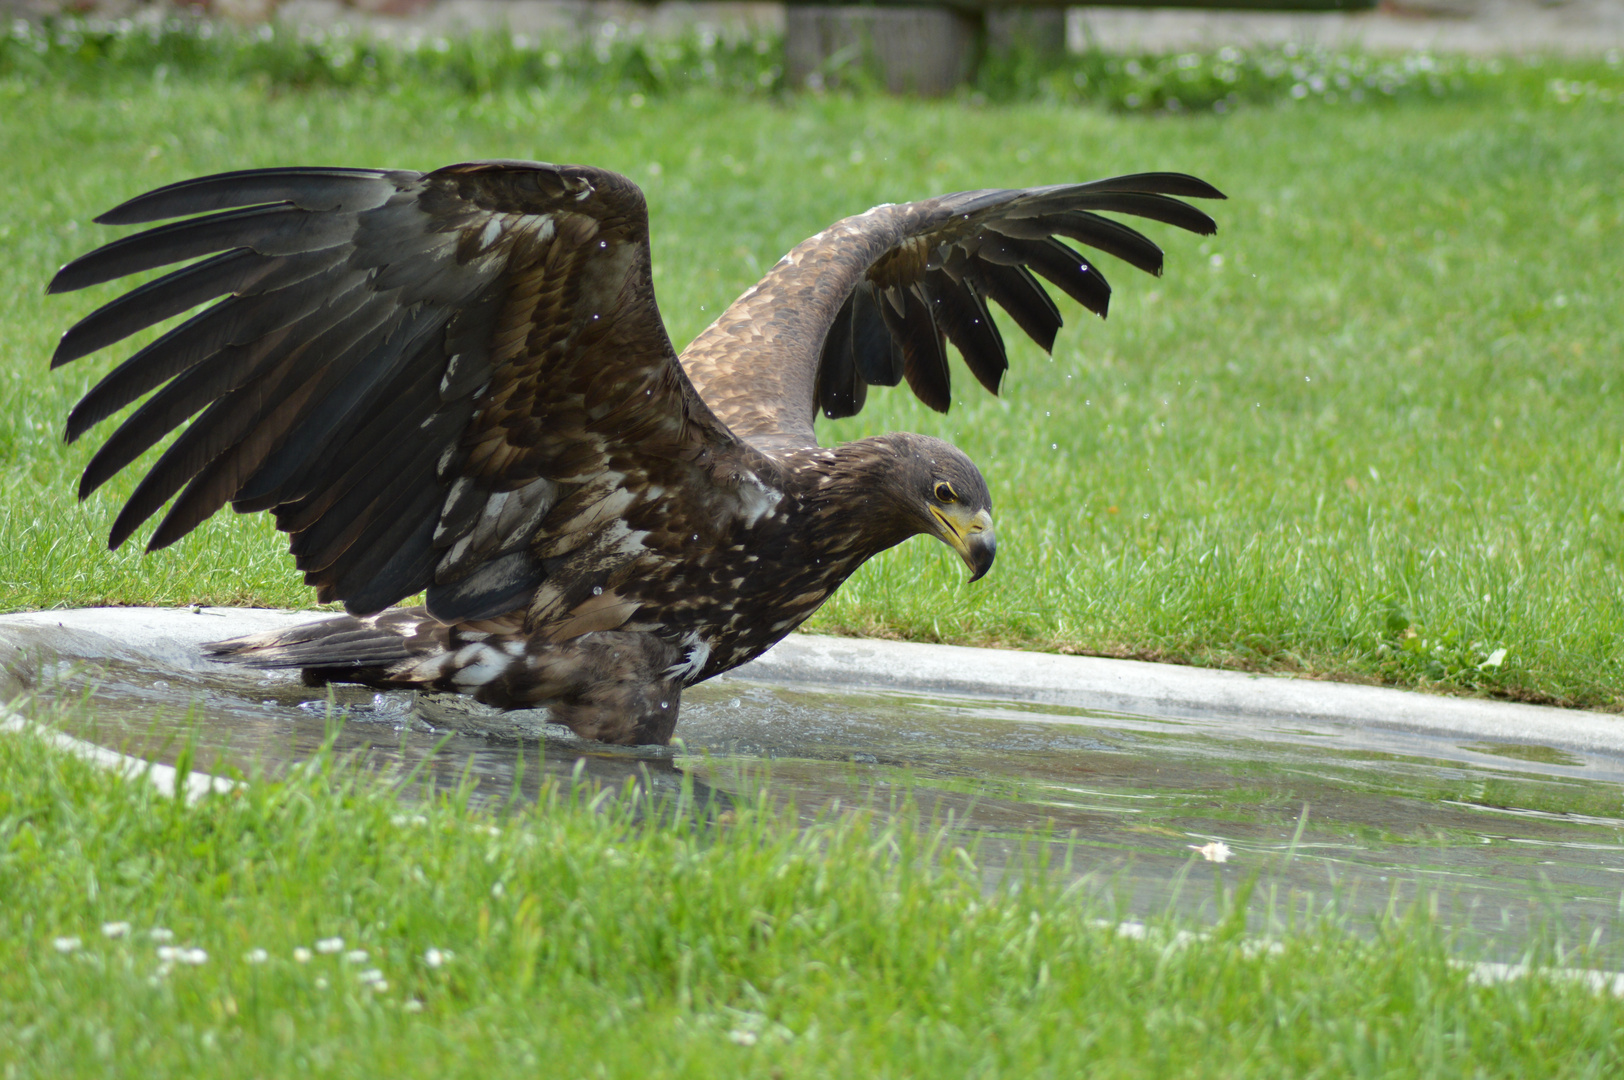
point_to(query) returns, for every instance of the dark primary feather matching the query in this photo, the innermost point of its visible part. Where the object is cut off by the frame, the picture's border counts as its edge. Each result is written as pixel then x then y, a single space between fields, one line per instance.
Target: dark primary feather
pixel 874 296
pixel 963 315
pixel 158 300
pixel 302 186
pixel 268 230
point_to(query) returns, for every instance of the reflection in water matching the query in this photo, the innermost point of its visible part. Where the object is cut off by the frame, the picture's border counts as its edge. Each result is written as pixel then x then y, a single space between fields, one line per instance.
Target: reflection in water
pixel 1505 842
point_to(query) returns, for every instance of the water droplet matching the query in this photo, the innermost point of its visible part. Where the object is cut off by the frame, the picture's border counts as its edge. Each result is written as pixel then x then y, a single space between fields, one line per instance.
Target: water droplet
pixel 665 704
pixel 597 590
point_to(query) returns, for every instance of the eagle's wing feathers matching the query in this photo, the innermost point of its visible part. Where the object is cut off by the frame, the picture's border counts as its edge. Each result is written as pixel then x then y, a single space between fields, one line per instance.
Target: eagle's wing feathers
pixel 876 298
pixel 418 374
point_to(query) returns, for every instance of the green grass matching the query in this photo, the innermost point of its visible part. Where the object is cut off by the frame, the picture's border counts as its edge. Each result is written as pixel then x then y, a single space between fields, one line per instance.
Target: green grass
pixel 1369 431
pixel 1376 438
pixel 564 941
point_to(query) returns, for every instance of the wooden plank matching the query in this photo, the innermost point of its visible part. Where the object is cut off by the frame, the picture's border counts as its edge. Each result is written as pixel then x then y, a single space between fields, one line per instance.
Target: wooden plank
pixel 1196 5
pixel 909 49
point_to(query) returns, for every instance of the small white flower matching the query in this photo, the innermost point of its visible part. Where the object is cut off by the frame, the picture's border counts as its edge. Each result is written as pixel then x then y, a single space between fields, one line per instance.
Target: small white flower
pixel 158 933
pixel 321 983
pixel 302 955
pixel 355 956
pixel 370 975
pixel 492 830
pixel 742 1037
pixel 65 944
pixel 434 958
pixel 1217 851
pixel 168 953
pixel 330 945
pixel 256 956
pixel 498 890
pixel 412 1005
pixel 115 929
pixel 194 957
pixel 379 987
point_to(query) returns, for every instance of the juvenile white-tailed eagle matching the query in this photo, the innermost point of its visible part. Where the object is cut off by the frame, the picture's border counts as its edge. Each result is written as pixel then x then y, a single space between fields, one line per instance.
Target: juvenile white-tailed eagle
pixel 458 382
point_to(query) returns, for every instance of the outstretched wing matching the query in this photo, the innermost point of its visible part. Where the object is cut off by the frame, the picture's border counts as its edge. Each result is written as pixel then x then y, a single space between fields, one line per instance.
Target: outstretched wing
pixel 433 381
pixel 874 299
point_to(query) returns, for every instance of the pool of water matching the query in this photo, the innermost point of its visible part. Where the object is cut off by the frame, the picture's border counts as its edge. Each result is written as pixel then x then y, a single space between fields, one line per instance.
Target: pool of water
pixel 1507 842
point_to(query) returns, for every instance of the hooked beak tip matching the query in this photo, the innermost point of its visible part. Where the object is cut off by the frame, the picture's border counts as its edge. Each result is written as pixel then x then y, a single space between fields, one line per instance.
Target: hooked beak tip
pixel 980 550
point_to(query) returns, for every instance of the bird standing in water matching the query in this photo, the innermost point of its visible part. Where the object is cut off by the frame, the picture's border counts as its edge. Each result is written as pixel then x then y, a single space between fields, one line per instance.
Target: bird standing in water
pixel 458 383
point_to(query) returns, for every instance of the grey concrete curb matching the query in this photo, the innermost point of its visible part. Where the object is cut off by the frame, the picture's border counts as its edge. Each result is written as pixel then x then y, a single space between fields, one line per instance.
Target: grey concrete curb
pixel 1074 682
pixel 194 785
pixel 1169 690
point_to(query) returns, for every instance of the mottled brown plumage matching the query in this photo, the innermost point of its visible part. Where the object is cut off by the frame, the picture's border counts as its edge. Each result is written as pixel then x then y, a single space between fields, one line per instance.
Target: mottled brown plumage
pixel 459 383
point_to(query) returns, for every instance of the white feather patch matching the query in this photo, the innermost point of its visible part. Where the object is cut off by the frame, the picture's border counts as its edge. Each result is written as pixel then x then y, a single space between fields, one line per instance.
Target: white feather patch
pixel 756 499
pixel 492 230
pixel 478 664
pixel 699 651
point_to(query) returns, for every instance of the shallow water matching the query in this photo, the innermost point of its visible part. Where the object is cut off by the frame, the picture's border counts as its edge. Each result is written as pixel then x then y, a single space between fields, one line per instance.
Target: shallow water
pixel 1508 843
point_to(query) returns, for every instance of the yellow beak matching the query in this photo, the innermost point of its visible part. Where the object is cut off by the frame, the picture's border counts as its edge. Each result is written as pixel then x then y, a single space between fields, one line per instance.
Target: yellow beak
pixel 971 535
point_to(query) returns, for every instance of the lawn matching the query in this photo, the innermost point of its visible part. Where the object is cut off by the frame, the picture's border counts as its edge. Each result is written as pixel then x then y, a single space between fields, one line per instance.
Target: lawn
pixel 321 926
pixel 1369 431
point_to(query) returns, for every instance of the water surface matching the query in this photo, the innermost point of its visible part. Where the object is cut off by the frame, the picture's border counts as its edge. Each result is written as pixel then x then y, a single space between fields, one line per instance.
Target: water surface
pixel 1505 841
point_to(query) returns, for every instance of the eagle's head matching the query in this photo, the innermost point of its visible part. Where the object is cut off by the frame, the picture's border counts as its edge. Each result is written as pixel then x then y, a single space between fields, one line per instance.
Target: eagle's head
pixel 943 494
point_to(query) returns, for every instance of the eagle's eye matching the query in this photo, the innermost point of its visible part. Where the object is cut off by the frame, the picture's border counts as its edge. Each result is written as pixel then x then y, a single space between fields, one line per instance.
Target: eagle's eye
pixel 945 492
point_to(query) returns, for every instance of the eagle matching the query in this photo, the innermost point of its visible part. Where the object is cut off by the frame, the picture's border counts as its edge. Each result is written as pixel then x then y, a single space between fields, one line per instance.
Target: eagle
pixel 458 383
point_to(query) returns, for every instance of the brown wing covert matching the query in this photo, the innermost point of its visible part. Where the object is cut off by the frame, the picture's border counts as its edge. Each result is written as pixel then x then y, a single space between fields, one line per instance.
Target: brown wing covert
pixel 875 299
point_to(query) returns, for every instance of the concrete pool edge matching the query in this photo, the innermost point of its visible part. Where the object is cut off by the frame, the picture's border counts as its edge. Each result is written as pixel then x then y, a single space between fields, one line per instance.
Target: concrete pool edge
pixel 1078 682
pixel 168 780
pixel 1170 690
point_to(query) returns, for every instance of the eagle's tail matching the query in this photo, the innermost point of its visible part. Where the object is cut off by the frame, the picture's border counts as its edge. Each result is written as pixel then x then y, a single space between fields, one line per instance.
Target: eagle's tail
pixel 399 648
pixel 344 642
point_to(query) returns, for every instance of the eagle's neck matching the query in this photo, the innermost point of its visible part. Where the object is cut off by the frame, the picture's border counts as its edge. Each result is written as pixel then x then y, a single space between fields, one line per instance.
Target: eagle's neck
pixel 851 499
